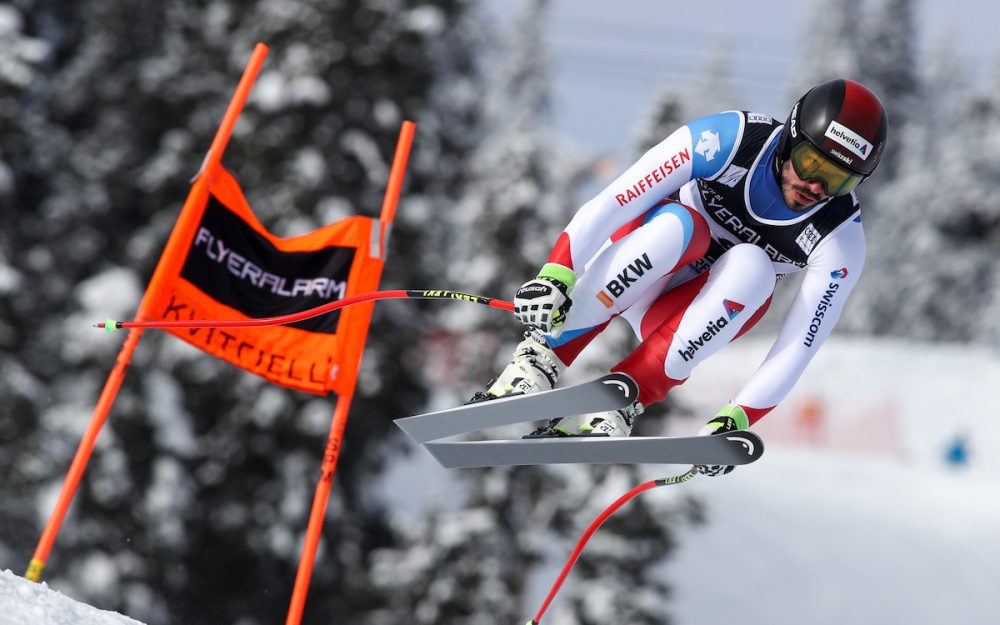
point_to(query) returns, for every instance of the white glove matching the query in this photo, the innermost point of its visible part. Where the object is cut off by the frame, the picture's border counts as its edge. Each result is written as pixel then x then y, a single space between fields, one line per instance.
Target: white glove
pixel 542 303
pixel 729 419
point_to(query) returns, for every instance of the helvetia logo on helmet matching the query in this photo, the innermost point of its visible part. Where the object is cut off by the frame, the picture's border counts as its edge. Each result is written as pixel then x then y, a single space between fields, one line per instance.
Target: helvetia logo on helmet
pixel 849 139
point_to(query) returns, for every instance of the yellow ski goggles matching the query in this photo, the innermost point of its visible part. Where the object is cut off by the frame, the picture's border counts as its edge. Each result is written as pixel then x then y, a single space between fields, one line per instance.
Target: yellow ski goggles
pixel 812 166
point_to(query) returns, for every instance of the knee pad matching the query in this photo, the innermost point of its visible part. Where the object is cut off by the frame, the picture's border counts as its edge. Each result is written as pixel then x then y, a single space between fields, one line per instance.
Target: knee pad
pixel 751 267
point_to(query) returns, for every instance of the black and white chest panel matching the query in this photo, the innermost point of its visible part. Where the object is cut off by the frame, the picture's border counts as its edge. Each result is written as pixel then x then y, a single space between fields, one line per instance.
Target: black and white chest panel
pixel 743 204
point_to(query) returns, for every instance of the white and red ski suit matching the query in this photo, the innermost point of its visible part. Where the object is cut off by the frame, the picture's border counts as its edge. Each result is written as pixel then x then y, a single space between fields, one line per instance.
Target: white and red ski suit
pixel 687 245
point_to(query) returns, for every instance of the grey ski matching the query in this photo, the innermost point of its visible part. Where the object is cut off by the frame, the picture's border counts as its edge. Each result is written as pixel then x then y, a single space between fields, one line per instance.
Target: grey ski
pixel 742 447
pixel 611 392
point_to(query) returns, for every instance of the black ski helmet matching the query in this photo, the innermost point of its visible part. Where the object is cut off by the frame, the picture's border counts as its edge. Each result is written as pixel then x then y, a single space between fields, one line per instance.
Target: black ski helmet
pixel 842 119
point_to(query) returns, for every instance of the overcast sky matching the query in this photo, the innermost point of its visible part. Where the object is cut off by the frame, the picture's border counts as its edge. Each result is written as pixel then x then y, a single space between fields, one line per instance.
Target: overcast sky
pixel 610 57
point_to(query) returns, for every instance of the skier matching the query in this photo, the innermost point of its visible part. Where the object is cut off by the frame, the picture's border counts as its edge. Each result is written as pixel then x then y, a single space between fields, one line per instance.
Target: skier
pixel 687 245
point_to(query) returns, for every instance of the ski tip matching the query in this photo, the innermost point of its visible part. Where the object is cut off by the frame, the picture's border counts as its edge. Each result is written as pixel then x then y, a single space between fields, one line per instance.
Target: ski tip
pixel 623 383
pixel 748 442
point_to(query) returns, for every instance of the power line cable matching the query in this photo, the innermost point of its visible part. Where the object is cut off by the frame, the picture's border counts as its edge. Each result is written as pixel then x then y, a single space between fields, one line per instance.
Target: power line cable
pixel 670 46
pixel 605 28
pixel 651 69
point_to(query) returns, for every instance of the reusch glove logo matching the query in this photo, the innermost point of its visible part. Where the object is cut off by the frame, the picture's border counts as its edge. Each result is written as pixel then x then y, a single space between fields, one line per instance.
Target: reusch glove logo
pixel 534 290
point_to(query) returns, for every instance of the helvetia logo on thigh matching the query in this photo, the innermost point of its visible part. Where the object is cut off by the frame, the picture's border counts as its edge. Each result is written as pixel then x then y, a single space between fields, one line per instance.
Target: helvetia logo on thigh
pixel 713 328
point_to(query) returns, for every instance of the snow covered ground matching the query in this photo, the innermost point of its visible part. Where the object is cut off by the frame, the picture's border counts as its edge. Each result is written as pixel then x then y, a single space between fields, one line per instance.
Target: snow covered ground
pixel 854 514
pixel 830 538
pixel 24 602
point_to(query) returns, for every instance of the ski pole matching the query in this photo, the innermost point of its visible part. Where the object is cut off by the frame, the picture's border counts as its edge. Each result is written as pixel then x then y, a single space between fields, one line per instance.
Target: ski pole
pixel 111 325
pixel 676 479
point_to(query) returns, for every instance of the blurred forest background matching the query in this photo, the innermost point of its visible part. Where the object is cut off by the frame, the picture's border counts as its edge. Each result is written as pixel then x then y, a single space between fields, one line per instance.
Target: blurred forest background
pixel 197 497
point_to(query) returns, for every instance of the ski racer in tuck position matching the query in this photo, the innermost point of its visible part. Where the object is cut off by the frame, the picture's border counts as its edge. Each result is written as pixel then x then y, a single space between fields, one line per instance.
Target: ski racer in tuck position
pixel 687 245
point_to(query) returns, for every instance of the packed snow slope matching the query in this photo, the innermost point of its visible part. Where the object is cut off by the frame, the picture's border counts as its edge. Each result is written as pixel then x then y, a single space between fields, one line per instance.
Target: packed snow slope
pixel 22 601
pixel 877 500
pixel 827 539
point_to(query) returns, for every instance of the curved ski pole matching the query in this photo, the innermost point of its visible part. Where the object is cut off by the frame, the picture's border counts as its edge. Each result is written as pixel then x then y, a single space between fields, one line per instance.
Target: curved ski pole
pixel 111 325
pixel 676 479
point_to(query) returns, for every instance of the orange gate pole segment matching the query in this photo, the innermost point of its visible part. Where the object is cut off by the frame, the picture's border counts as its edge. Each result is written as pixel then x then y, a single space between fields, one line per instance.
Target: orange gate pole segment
pixel 176 249
pixel 82 456
pixel 320 500
pixel 187 223
pixel 317 514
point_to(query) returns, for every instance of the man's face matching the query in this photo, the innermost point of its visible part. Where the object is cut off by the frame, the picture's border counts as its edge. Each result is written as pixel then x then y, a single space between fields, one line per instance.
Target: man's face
pixel 797 193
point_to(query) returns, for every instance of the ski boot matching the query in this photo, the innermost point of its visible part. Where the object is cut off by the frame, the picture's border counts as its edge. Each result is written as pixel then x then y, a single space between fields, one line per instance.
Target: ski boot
pixel 612 423
pixel 535 367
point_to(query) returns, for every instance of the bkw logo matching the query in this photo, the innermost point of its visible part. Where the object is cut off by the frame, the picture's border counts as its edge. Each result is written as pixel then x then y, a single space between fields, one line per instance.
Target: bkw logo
pixel 628 276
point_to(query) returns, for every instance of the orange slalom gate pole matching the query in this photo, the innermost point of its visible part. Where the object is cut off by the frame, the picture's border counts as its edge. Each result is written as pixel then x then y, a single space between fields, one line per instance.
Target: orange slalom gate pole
pixel 322 497
pixel 82 456
pixel 317 514
pixel 176 247
pixel 395 185
pixel 190 217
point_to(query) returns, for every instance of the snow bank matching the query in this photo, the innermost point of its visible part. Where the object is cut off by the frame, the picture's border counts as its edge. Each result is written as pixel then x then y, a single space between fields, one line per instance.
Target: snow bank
pixel 829 538
pixel 22 601
pixel 854 515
